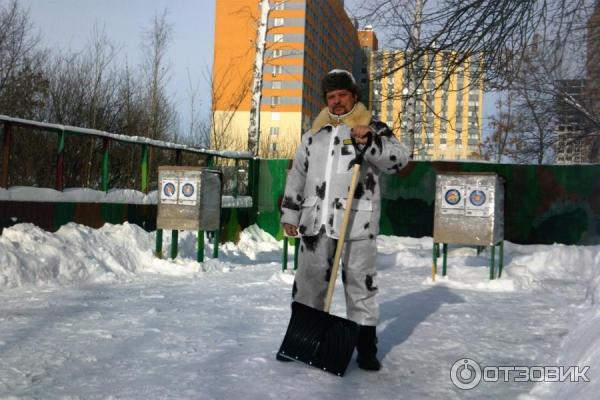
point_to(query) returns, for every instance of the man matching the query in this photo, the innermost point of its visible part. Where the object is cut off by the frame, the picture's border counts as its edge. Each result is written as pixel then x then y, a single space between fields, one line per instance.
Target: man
pixel 315 197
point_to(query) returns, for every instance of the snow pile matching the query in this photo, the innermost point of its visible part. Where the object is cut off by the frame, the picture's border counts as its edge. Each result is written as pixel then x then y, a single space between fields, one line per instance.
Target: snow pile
pixel 75 253
pixel 525 267
pixel 581 346
pixel 532 264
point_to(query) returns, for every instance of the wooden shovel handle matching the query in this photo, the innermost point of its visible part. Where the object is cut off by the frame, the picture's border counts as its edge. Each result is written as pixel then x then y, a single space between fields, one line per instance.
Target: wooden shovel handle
pixel 342 237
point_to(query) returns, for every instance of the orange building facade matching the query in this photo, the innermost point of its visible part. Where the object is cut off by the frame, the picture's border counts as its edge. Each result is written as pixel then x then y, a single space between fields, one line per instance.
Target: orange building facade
pixel 305 40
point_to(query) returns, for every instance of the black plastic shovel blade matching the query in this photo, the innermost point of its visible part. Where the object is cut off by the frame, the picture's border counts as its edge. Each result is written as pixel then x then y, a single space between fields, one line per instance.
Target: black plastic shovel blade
pixel 319 339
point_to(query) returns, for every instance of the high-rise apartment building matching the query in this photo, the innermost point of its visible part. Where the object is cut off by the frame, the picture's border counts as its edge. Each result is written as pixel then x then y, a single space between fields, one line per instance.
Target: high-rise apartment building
pixel 593 58
pixel 305 40
pixel 368 42
pixel 593 78
pixel 570 147
pixel 577 137
pixel 447 113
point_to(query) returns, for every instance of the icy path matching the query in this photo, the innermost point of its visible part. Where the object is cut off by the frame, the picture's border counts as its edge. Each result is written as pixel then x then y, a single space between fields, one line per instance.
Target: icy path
pixel 213 334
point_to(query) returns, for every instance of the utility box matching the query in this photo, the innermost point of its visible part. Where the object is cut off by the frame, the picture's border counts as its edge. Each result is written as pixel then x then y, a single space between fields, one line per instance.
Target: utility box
pixel 469 209
pixel 189 198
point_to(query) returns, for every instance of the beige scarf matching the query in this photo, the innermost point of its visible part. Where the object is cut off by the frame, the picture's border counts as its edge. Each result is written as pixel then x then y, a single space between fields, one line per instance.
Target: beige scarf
pixel 359 115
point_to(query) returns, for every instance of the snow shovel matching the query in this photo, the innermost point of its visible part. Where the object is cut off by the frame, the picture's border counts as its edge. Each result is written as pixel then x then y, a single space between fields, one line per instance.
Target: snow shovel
pixel 316 337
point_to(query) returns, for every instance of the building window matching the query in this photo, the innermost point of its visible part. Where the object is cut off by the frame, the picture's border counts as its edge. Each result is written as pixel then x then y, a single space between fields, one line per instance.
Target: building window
pixel 274 101
pixel 274 131
pixel 279 5
pixel 273 147
pixel 278 37
pixel 277 69
pixel 275 116
pixel 276 84
pixel 277 53
pixel 278 21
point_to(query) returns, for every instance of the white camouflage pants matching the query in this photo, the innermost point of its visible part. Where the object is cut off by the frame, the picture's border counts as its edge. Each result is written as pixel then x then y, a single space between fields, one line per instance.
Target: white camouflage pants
pixel 358 275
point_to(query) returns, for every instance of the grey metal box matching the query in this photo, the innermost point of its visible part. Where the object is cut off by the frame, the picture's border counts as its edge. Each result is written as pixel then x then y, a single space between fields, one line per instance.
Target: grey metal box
pixel 189 198
pixel 469 209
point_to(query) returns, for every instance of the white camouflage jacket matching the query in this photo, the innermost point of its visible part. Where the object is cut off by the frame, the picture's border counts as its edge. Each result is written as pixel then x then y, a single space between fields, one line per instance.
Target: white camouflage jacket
pixel 317 185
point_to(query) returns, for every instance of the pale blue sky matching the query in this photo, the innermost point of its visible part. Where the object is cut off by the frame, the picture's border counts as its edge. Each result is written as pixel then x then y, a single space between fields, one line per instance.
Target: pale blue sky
pixel 68 24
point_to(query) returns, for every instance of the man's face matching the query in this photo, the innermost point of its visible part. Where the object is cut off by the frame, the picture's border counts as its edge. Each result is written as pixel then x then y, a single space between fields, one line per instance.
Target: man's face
pixel 340 101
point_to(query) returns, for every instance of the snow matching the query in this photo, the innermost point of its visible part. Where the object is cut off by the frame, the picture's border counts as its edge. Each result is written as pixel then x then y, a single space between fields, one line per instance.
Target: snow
pixel 81 195
pixel 86 195
pixel 92 314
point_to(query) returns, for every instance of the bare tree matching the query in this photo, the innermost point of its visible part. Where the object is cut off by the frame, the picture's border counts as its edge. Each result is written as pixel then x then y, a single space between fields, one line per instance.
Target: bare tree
pixel 222 119
pixel 496 146
pixel 503 33
pixel 161 112
pixel 23 85
pixel 499 30
pixel 17 41
pixel 257 75
pixel 278 146
pixel 198 130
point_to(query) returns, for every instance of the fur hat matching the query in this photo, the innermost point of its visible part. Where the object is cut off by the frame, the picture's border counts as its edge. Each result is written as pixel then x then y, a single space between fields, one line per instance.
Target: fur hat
pixel 338 79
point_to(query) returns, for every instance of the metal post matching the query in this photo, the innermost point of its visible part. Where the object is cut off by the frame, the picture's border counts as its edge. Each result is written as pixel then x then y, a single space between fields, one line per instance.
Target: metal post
pixel 174 243
pixel 106 149
pixel 159 239
pixel 435 252
pixel 285 254
pixel 200 253
pixel 216 244
pixel 296 249
pixel 444 257
pixel 253 178
pixel 178 157
pixel 59 181
pixel 235 177
pixel 501 260
pixel 144 168
pixel 6 145
pixel 492 261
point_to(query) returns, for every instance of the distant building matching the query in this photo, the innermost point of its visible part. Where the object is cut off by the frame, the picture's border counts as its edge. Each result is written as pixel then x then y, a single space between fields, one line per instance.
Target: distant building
pixel 578 140
pixel 368 45
pixel 448 113
pixel 570 146
pixel 593 58
pixel 593 77
pixel 303 44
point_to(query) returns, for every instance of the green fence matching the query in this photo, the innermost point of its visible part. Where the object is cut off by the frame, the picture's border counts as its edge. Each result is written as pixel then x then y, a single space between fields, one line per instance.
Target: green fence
pixel 544 203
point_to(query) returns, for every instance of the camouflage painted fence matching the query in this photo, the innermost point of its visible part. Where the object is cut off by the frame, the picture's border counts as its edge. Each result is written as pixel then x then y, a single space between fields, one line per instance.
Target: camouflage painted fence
pixel 544 203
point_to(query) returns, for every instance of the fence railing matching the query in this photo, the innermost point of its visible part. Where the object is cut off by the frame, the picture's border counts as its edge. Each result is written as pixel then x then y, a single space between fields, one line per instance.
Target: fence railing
pixel 144 145
pixel 234 175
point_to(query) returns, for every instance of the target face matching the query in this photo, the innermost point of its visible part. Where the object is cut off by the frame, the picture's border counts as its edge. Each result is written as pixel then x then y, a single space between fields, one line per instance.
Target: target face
pixel 169 189
pixel 188 190
pixel 452 197
pixel 477 198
